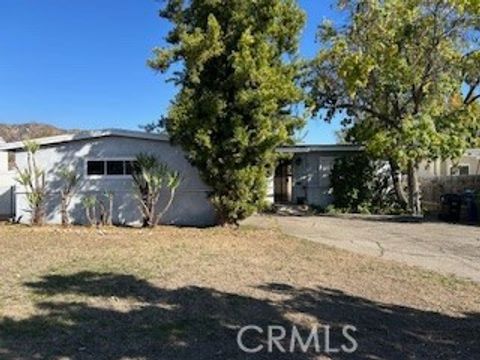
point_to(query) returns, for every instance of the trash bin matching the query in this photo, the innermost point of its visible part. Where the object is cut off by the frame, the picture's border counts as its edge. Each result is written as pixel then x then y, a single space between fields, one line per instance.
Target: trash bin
pixel 477 201
pixel 469 201
pixel 451 207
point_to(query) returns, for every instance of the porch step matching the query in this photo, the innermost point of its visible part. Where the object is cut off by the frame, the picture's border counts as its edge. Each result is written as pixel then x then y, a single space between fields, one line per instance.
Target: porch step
pixel 293 210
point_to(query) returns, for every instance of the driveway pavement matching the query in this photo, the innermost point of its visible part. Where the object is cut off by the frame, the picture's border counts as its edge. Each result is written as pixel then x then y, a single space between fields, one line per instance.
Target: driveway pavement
pixel 441 247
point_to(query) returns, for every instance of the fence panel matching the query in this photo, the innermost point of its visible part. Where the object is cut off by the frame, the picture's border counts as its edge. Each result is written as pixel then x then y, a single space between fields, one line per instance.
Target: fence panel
pixel 434 187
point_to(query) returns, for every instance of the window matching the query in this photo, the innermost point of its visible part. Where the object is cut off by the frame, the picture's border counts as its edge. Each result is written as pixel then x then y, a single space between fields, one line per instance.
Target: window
pixel 109 167
pixel 96 168
pixel 460 170
pixel 115 167
pixel 463 170
pixel 129 166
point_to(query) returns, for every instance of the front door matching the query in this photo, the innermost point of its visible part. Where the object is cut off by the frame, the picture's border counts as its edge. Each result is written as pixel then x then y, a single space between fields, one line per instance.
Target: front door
pixel 283 183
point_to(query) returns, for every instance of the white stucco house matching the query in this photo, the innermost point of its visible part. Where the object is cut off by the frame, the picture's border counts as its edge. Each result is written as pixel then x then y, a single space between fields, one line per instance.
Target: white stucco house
pixel 101 159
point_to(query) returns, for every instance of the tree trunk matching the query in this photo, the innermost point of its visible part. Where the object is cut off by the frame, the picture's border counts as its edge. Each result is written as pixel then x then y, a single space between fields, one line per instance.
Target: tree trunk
pixel 398 184
pixel 63 211
pixel 414 200
pixel 110 210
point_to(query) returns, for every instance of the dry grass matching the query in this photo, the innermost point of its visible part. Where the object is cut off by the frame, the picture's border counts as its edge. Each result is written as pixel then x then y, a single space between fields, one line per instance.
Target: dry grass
pixel 184 293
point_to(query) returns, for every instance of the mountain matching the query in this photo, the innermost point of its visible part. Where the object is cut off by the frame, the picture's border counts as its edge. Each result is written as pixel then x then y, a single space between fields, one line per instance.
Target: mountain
pixel 19 132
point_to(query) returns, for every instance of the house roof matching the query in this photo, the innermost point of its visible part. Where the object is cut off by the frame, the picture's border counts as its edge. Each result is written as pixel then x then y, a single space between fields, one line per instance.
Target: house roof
pixel 85 135
pixel 295 149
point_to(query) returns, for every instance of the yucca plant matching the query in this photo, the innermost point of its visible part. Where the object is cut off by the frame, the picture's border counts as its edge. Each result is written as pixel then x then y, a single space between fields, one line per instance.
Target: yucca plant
pixel 90 203
pixel 150 178
pixel 70 179
pixel 32 178
pixel 106 208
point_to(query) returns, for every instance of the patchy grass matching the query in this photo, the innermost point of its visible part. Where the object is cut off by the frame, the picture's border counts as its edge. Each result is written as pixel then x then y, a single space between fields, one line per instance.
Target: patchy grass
pixel 176 293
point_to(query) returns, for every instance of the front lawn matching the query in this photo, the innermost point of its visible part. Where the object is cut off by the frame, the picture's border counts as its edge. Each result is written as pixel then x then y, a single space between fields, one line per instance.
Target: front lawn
pixel 176 293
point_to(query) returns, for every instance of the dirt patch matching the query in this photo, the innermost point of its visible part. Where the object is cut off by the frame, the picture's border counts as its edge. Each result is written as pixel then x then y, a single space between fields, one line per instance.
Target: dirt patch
pixel 184 294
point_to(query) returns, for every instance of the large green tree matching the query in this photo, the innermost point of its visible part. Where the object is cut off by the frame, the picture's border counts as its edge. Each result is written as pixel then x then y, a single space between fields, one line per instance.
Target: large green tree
pixel 237 74
pixel 405 74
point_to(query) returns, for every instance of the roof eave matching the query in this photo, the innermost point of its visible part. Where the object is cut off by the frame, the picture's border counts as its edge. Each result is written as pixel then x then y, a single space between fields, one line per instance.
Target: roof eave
pixel 59 139
pixel 301 149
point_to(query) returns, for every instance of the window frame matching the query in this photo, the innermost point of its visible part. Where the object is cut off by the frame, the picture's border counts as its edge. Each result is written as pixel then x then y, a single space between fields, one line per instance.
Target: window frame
pixel 458 168
pixel 105 175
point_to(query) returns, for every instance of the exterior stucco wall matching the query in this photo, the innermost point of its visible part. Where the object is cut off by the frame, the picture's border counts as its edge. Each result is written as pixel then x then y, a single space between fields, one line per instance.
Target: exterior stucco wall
pixel 7 180
pixel 311 177
pixel 443 168
pixel 190 206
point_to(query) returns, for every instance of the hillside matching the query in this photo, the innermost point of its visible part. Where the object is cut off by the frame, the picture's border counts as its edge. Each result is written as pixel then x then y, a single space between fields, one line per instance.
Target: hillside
pixel 18 132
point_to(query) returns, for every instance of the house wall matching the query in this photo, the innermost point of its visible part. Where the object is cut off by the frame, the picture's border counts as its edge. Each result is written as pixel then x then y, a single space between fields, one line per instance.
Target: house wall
pixel 311 177
pixel 6 183
pixel 190 206
pixel 443 168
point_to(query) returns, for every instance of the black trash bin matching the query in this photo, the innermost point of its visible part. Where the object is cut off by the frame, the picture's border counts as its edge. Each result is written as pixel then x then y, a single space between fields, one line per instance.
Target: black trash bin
pixel 451 207
pixel 469 201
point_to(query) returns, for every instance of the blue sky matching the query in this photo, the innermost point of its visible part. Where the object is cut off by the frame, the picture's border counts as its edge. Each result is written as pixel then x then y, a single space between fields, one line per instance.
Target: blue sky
pixel 82 63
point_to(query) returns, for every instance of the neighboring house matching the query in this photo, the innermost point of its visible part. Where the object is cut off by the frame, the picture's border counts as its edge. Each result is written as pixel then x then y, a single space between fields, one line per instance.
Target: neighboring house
pixel 305 178
pixel 101 159
pixel 469 164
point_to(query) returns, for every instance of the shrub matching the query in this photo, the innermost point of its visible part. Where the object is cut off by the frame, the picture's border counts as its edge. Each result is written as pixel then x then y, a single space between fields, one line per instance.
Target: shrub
pixel 360 185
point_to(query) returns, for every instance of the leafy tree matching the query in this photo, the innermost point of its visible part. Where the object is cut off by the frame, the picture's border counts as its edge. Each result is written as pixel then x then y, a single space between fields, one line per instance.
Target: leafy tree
pixel 150 178
pixel 70 179
pixel 406 75
pixel 237 84
pixel 33 179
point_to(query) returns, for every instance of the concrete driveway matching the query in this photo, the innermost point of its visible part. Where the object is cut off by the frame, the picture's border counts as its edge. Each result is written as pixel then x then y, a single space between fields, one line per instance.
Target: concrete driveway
pixel 441 247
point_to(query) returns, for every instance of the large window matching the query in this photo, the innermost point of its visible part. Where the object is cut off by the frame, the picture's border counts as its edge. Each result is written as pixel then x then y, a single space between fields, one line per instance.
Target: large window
pixel 110 167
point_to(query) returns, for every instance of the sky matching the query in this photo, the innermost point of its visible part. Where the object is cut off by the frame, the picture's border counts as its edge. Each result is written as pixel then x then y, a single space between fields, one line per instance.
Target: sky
pixel 81 64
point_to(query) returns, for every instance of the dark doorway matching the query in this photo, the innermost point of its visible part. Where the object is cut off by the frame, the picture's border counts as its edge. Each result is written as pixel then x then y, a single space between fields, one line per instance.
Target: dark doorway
pixel 283 182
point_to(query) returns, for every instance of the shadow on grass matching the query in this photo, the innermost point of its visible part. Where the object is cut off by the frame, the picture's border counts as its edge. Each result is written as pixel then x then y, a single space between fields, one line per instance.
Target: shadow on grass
pixel 202 323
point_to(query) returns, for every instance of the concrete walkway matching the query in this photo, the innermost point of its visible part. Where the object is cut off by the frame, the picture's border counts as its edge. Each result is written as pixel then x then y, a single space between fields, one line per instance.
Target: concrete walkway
pixel 441 247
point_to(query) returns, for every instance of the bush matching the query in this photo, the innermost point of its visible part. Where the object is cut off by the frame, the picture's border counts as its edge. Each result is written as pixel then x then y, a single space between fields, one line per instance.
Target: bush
pixel 360 185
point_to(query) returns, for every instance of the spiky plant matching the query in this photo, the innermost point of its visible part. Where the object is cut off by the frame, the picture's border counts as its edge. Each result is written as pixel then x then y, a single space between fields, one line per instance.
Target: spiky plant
pixel 70 179
pixel 32 178
pixel 150 178
pixel 89 203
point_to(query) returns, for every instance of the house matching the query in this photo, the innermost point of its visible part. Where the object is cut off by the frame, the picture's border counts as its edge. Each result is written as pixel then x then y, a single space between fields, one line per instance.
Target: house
pixel 305 177
pixel 101 159
pixel 468 164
